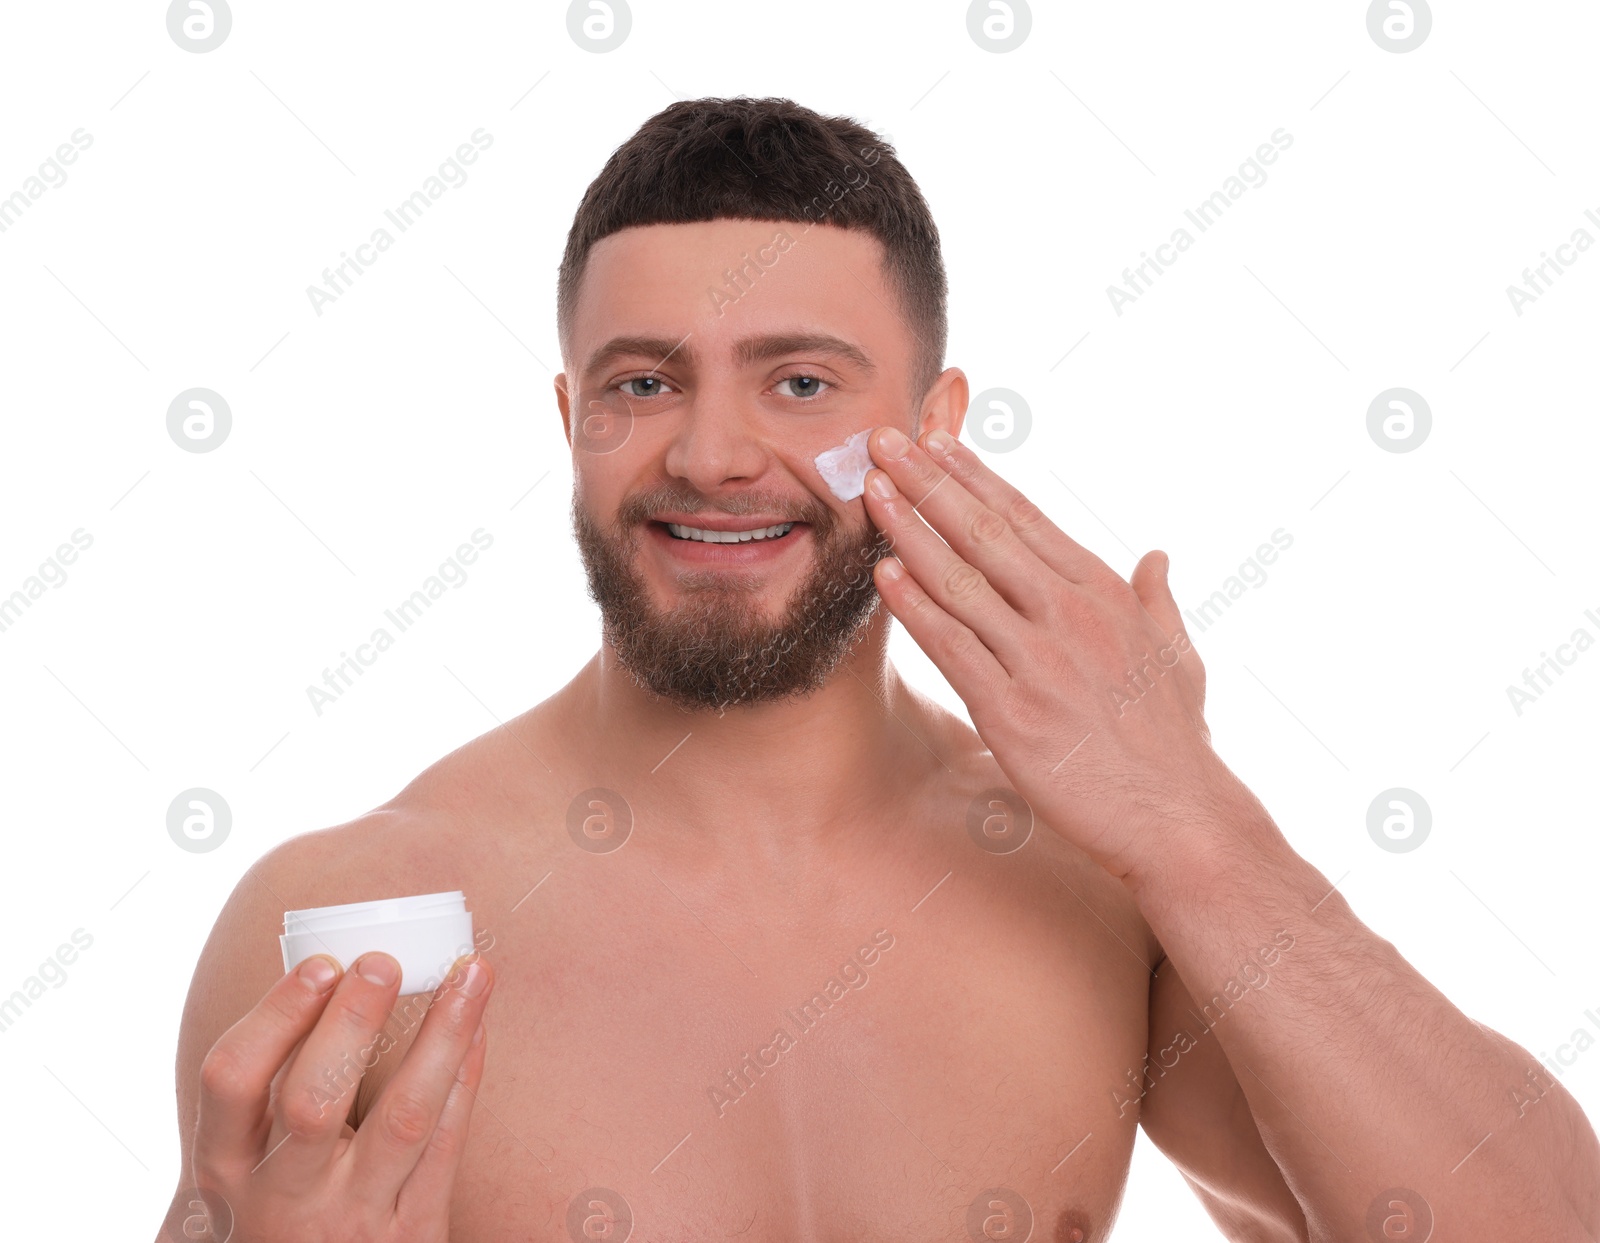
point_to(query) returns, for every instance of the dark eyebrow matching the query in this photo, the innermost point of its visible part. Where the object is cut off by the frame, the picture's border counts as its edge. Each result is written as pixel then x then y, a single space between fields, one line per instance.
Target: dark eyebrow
pixel 635 347
pixel 760 349
pixel 749 350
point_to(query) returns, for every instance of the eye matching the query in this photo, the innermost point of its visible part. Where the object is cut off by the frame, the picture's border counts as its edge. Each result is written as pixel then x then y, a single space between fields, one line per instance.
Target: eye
pixel 806 386
pixel 647 380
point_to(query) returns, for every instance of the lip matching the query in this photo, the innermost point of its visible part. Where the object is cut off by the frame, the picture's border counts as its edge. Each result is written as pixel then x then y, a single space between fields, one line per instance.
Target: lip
pixel 745 553
pixel 713 521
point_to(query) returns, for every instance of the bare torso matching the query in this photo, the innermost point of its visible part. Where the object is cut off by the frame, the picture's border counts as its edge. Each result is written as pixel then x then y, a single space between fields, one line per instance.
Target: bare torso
pixel 995 1009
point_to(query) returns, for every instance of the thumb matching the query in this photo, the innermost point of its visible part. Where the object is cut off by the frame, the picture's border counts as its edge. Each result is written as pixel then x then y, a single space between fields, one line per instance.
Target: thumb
pixel 1149 583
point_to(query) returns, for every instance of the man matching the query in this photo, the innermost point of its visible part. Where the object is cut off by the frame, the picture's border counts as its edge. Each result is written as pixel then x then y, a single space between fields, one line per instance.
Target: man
pixel 781 950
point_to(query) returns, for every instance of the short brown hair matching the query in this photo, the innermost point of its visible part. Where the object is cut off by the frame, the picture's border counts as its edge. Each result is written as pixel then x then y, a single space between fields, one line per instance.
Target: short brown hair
pixel 769 159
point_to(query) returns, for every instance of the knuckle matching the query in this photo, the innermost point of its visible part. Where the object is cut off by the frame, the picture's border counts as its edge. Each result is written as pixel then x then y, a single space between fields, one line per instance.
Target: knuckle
pixel 923 471
pixel 1098 629
pixel 1077 607
pixel 223 1075
pixel 443 1144
pixel 309 1111
pixel 357 1011
pixel 962 583
pixel 1121 593
pixel 448 1135
pixel 921 607
pixel 958 644
pixel 285 1007
pixel 986 527
pixel 1058 607
pixel 407 1120
pixel 1023 514
pixel 208 1170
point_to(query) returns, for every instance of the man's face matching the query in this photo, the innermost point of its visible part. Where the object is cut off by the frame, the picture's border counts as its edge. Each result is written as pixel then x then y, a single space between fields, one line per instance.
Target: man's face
pixel 696 406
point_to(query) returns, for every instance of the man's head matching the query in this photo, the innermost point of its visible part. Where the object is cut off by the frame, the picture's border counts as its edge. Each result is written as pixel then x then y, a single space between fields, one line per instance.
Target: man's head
pixel 746 284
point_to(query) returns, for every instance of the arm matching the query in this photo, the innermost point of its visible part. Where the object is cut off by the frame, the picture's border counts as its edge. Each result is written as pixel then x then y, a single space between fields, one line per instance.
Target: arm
pixel 1359 1075
pixel 1194 1111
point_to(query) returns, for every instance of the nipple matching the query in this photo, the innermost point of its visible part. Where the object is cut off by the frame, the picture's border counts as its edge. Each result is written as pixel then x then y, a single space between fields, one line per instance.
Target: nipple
pixel 1072 1227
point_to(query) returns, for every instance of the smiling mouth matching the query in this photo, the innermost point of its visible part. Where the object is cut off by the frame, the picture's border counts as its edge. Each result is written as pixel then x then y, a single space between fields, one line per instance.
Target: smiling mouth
pixel 679 531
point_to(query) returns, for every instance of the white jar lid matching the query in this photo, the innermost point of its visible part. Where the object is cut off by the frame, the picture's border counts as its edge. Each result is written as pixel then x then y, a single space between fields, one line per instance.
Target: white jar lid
pixel 425 933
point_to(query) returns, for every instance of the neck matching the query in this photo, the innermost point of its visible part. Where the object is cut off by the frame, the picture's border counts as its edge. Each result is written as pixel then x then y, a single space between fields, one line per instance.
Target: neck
pixel 760 775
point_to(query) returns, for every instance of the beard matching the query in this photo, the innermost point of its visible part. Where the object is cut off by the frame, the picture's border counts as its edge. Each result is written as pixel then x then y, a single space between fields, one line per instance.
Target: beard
pixel 718 648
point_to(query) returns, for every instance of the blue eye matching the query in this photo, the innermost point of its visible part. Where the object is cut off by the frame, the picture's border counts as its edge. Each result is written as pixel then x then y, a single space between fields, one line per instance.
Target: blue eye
pixel 808 384
pixel 643 379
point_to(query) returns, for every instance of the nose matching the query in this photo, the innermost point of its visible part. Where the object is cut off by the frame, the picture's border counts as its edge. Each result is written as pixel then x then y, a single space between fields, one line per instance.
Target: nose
pixel 715 443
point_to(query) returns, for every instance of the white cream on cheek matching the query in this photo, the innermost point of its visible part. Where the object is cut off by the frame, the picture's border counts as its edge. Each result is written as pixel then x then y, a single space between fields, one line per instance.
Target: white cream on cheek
pixel 844 467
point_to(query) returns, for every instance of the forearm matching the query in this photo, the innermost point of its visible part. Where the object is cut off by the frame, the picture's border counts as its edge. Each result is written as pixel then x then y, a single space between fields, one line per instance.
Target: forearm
pixel 1361 1075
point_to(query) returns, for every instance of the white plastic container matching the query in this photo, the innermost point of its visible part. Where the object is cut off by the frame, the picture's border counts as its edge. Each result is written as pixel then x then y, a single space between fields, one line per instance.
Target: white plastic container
pixel 425 934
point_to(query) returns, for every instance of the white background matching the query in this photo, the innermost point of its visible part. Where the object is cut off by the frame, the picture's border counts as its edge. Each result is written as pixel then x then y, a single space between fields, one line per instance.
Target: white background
pixel 369 442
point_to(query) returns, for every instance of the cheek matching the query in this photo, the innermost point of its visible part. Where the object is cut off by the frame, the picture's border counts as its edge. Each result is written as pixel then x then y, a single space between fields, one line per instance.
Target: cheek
pixel 843 467
pixel 607 471
pixel 602 423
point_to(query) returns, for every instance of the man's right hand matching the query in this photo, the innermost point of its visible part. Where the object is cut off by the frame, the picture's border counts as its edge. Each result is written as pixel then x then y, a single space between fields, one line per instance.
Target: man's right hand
pixel 276 1088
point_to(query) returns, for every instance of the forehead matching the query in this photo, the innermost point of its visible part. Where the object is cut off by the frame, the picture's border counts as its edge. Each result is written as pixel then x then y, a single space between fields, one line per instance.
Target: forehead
pixel 721 281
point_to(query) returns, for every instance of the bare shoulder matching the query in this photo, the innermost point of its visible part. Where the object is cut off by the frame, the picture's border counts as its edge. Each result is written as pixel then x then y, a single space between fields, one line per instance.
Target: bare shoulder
pixel 456 825
pixel 441 832
pixel 381 854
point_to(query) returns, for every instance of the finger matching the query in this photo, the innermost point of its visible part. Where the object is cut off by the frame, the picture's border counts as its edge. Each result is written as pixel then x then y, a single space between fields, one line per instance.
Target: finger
pixel 1149 583
pixel 322 1081
pixel 1053 546
pixel 979 536
pixel 400 1125
pixel 237 1074
pixel 956 587
pixel 425 1198
pixel 970 667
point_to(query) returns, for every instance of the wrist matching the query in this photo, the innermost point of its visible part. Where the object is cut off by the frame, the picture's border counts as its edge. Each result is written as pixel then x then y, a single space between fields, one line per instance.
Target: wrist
pixel 1205 843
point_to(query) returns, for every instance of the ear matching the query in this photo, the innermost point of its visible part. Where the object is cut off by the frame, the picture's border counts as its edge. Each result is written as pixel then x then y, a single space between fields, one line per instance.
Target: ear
pixel 565 404
pixel 945 406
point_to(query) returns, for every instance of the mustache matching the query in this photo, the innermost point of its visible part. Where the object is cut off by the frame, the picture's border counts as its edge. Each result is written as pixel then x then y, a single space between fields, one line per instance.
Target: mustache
pixel 639 508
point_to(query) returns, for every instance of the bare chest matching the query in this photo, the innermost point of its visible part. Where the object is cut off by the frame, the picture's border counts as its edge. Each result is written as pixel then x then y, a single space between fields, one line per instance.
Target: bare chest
pixel 903 1061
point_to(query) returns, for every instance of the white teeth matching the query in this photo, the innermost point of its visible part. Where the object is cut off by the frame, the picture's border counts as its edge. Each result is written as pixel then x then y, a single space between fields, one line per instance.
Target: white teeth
pixel 728 537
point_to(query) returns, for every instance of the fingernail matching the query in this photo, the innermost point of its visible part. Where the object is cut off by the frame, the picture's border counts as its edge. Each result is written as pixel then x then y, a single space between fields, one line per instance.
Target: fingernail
pixel 891 568
pixel 477 979
pixel 882 485
pixel 939 442
pixel 319 972
pixel 893 442
pixel 380 969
